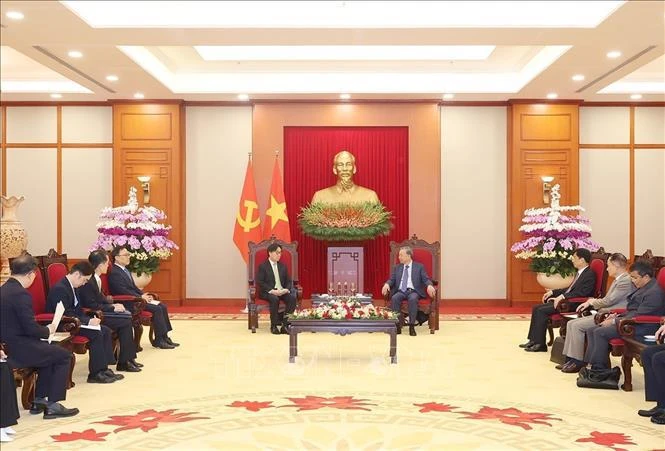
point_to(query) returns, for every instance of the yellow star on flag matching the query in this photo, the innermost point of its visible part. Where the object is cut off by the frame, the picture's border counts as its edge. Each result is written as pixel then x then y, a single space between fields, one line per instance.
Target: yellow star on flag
pixel 276 211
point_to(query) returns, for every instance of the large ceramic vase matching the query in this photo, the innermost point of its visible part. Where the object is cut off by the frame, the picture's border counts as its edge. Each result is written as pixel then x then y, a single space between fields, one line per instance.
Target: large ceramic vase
pixel 142 281
pixel 554 281
pixel 13 238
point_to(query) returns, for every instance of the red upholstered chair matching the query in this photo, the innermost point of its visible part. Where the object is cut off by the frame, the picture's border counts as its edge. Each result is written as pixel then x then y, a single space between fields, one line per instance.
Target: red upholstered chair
pixel 556 319
pixel 140 317
pixel 258 253
pixel 44 261
pixel 429 255
pixel 55 272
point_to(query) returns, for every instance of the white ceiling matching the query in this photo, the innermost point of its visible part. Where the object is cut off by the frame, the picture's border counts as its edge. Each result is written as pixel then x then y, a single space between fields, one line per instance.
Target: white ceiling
pixel 317 50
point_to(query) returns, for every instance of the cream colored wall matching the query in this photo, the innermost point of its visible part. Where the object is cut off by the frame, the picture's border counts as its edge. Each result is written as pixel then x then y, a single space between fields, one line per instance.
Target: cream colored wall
pixel 86 173
pixel 650 201
pixel 605 193
pixel 473 201
pixel 218 141
pixel 649 125
pixel 605 125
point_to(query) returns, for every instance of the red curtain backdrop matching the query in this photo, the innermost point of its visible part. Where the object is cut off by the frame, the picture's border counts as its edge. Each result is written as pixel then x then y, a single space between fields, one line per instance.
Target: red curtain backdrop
pixel 382 164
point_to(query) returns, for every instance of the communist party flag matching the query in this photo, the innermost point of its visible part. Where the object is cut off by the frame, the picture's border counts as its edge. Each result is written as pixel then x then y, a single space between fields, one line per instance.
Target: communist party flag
pixel 277 221
pixel 248 220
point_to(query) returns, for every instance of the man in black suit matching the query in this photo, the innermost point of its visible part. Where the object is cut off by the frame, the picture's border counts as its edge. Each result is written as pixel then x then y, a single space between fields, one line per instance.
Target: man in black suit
pixel 409 281
pixel 653 361
pixel 583 286
pixel 22 335
pixel 100 347
pixel 115 316
pixel 122 284
pixel 647 299
pixel 275 287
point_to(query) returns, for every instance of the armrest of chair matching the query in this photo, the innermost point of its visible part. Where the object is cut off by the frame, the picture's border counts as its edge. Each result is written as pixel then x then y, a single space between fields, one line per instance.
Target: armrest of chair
pixel 251 290
pixel 71 325
pixel 626 327
pixel 138 303
pixel 600 317
pixel 570 305
pixel 298 293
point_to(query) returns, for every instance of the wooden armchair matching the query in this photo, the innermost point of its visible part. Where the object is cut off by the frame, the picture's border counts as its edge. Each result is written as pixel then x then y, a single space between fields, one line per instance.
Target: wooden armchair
pixel 258 253
pixel 429 255
pixel 557 319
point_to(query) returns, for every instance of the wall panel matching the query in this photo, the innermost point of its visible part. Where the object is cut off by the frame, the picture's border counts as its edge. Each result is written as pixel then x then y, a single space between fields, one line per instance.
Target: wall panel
pixel 650 201
pixel 32 124
pixel 473 199
pixel 38 183
pixel 218 142
pixel 604 125
pixel 605 194
pixel 87 124
pixel 650 125
pixel 84 197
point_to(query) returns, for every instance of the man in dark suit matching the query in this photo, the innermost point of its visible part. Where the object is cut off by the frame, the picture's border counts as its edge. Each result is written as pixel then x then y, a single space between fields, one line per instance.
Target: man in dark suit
pixel 583 286
pixel 648 299
pixel 22 335
pixel 122 284
pixel 100 347
pixel 275 287
pixel 116 317
pixel 653 361
pixel 409 281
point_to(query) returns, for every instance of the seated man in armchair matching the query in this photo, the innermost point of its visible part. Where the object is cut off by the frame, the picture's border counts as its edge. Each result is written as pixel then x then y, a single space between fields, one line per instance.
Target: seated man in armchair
pixel 275 286
pixel 409 280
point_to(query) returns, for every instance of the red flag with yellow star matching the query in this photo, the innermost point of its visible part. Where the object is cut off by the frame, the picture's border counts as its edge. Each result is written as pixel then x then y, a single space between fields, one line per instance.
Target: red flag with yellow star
pixel 248 219
pixel 277 221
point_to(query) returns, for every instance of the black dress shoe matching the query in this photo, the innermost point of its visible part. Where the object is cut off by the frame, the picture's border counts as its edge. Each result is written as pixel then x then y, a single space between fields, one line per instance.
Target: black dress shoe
pixel 57 410
pixel 38 406
pixel 136 364
pixel 573 367
pixel 284 330
pixel 109 372
pixel 274 330
pixel 128 367
pixel 161 344
pixel 658 419
pixel 399 330
pixel 536 348
pixel 100 378
pixel 171 342
pixel 528 344
pixel 412 330
pixel 651 412
pixel 559 366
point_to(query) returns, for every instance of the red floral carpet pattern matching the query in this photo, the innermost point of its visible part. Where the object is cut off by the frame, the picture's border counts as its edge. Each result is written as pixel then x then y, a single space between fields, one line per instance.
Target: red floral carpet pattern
pixel 217 419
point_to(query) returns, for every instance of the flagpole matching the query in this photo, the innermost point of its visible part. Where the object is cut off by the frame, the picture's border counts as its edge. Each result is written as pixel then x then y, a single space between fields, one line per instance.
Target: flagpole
pixel 246 309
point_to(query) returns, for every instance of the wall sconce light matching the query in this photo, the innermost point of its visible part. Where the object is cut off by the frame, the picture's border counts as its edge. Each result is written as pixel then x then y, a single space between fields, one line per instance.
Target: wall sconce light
pixel 547 187
pixel 145 185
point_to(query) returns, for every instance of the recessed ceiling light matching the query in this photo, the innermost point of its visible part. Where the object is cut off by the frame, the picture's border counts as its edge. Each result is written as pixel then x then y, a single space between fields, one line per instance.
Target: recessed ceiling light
pixel 614 54
pixel 448 96
pixel 345 96
pixel 75 54
pixel 139 95
pixel 636 96
pixel 14 15
pixel 243 97
pixel 56 96
pixel 552 95
pixel 112 77
pixel 578 77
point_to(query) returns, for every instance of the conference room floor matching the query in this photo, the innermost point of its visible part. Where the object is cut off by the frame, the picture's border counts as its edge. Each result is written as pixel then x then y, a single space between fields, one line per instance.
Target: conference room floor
pixel 467 387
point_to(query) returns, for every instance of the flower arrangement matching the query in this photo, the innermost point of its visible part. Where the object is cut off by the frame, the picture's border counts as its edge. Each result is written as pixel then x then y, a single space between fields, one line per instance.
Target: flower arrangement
pixel 138 229
pixel 344 308
pixel 345 221
pixel 551 236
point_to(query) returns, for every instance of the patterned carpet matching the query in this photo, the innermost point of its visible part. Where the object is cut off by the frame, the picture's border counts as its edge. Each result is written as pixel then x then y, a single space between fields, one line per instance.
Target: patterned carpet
pixel 442 317
pixel 466 387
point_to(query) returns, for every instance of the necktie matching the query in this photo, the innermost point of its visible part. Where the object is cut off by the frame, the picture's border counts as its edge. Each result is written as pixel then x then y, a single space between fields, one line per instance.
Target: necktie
pixel 572 284
pixel 76 300
pixel 278 283
pixel 405 279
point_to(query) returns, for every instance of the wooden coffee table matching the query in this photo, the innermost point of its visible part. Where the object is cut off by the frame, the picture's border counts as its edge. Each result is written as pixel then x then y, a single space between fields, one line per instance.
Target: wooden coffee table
pixel 342 327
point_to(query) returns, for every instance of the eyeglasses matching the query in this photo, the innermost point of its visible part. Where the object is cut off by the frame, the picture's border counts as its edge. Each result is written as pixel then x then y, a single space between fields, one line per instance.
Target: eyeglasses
pixel 125 255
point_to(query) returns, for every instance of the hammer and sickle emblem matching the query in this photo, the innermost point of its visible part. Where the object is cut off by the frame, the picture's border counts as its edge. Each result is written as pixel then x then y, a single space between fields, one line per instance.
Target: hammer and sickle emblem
pixel 247 224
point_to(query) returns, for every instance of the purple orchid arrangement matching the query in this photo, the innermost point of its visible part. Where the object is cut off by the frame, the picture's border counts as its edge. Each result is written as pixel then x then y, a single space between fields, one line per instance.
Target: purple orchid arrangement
pixel 551 236
pixel 139 229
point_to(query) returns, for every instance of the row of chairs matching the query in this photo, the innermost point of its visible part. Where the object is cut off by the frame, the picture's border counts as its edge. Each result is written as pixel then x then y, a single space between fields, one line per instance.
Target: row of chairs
pixel 428 254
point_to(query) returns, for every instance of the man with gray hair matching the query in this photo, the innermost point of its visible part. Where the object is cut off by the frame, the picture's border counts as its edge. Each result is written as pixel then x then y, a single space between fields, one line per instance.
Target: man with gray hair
pixel 616 297
pixel 409 281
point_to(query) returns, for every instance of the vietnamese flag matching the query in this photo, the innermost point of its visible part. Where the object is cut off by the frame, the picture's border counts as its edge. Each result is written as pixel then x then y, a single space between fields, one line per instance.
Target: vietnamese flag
pixel 277 221
pixel 248 220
